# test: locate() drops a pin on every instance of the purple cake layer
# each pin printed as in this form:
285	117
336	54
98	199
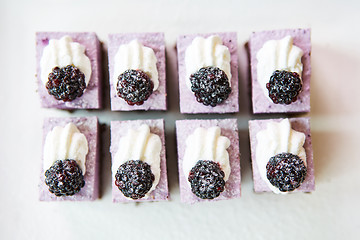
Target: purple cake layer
262	103
157	100
188	103
229	129
119	129
89	127
91	99
298	124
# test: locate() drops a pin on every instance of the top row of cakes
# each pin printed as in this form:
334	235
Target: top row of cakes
69	71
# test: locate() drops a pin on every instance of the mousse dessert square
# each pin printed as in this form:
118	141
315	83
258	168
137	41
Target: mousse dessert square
209	160
212	62
290	141
138	56
138	161
288	52
70	160
68	70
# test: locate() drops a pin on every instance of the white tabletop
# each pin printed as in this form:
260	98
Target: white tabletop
331	212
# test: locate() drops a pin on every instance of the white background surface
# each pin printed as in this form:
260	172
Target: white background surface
331	212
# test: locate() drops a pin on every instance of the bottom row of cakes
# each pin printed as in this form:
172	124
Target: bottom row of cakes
208	159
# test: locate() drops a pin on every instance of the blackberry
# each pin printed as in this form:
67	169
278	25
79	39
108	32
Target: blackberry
210	86
284	87
64	178
66	83
207	179
134	86
134	178
286	171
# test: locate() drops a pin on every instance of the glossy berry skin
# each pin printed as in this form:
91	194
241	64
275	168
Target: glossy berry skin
66	83
286	171
210	86
284	87
64	178
206	179
134	178
134	86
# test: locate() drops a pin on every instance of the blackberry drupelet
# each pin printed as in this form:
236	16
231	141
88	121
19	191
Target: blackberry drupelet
286	171
134	178
134	86
284	87
64	178
66	83
207	179
210	86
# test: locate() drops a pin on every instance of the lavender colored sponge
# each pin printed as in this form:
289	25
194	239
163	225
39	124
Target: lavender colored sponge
261	102
188	103
157	100
229	129
119	129
298	124
91	99
89	127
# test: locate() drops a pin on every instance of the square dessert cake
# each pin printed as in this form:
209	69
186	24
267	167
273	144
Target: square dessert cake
88	127
300	39
60	49
301	125
120	130
133	58
188	101
229	130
